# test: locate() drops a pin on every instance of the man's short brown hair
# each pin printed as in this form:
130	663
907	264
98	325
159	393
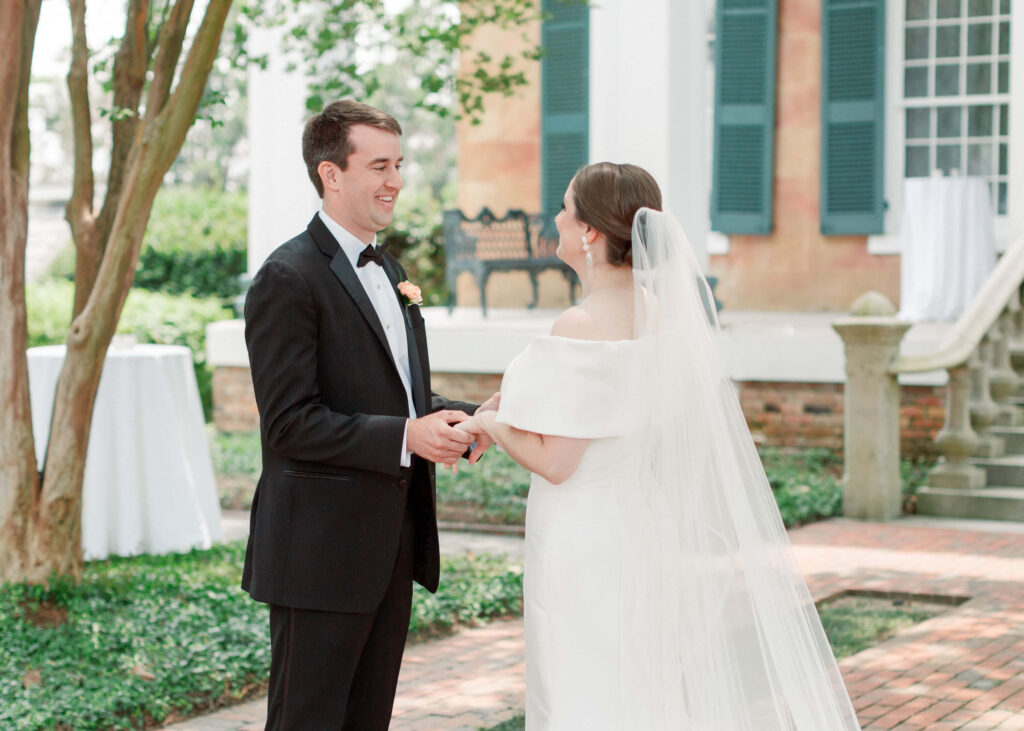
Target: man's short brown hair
326	134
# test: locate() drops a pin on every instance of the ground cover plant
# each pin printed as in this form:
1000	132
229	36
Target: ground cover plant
807	484
149	639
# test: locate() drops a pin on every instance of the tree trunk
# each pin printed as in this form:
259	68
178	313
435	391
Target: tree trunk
19	479
56	540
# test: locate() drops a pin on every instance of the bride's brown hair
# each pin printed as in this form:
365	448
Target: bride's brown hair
607	196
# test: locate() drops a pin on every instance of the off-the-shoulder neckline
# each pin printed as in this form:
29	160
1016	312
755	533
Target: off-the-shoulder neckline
582	340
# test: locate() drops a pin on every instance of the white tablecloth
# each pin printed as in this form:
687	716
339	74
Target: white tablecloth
149	484
948	246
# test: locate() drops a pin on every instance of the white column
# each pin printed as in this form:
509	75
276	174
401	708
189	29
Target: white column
648	100
281	197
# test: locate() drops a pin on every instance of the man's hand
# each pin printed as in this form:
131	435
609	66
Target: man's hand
432	437
490	404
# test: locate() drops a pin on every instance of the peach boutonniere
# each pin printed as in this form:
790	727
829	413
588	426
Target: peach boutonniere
410	293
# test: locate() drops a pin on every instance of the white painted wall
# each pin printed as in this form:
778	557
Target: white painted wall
281	197
648	100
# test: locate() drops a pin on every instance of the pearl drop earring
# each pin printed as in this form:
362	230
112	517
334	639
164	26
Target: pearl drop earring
586	248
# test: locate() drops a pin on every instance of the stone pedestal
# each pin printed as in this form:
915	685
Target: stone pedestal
871	430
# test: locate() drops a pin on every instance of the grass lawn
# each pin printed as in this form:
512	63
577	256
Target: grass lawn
152	639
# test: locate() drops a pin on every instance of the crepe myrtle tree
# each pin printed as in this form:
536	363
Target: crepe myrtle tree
153	92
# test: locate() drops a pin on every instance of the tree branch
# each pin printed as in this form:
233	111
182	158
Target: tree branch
130	65
79	212
172	36
178	114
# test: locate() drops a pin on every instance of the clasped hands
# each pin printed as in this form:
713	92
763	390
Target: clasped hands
444	436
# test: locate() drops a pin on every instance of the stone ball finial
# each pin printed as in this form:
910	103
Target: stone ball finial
873	304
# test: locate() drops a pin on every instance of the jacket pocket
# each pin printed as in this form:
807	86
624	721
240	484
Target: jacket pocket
316	475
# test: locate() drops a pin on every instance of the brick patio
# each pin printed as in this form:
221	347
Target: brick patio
963	669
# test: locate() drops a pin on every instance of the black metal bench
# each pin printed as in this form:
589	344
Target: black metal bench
486	244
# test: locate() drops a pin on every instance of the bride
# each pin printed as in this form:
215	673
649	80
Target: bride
661	591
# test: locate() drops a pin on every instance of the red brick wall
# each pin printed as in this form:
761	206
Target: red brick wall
234	403
803	415
780	414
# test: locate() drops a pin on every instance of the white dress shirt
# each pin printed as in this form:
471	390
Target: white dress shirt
389	311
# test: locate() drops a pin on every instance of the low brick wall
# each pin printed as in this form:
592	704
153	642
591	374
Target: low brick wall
780	414
803	415
234	403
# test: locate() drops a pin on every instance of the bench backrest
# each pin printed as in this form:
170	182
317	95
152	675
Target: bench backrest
487	236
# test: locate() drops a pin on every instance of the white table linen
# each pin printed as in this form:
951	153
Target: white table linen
149	485
948	246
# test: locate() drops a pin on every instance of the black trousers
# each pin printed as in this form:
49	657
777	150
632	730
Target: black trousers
335	670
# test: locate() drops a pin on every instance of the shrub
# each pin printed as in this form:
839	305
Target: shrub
195	242
417	240
152	317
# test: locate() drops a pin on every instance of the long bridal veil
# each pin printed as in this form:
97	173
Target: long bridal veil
719	630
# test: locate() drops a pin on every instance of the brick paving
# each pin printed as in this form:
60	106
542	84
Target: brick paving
963	669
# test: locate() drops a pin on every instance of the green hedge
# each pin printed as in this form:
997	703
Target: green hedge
195	242
152	317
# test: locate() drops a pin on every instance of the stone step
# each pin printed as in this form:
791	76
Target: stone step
1013	436
1005	471
989	503
1017	358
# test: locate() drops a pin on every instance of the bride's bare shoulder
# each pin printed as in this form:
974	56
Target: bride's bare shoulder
577	323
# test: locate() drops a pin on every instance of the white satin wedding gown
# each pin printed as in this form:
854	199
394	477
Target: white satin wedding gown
661	591
565	387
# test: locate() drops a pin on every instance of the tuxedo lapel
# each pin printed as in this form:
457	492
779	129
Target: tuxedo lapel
419	390
342	269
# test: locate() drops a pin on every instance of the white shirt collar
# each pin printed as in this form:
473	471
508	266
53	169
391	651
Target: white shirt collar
352	246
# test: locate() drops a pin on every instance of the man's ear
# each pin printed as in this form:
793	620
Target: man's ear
329	174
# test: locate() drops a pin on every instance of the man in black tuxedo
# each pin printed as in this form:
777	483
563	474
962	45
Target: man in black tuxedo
343	520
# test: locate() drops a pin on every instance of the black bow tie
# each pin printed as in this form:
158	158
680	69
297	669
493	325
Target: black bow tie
371	253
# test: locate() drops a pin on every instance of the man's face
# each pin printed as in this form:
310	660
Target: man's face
364	194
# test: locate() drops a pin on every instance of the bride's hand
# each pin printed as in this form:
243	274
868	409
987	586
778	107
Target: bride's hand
475	425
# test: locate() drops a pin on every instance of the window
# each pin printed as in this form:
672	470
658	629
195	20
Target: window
956	91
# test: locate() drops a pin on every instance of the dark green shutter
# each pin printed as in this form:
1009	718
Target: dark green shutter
565	97
852	117
744	165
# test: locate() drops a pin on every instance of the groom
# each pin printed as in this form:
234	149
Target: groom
343	519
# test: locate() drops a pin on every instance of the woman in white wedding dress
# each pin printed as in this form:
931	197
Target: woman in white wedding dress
661	591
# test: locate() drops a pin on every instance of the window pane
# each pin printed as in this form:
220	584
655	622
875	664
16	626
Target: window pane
917	162
979	78
1004	37
1004	7
1001	205
979	39
947	41
1003	150
918	123
947	80
979	159
979	7
949	8
947	159
917	9
916	43
1003	85
915	82
979	121
1004	119
948	121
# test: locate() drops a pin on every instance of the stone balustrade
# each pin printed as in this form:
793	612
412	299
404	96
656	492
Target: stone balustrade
983	356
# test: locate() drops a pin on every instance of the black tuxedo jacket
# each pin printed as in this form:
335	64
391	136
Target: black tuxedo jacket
328	508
